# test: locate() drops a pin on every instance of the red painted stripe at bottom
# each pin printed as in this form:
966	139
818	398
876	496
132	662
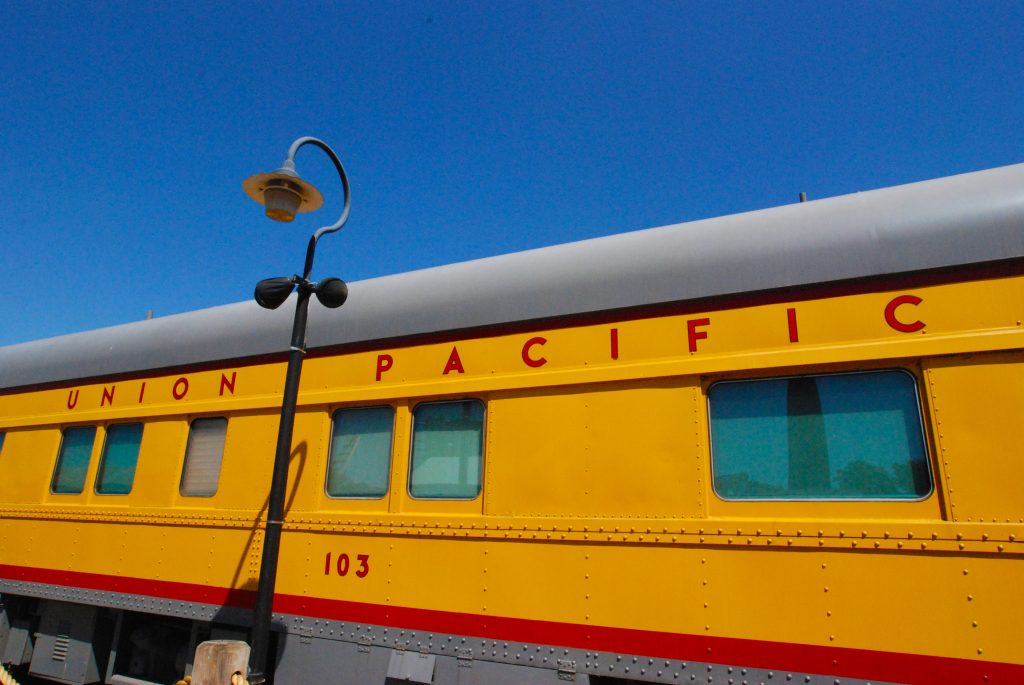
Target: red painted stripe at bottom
163	589
778	656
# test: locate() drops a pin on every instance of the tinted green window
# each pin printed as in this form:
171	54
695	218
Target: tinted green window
360	452
73	460
204	454
447	449
840	436
120	455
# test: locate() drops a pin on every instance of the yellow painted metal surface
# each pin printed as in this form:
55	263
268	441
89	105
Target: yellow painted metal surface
596	508
971	317
979	422
607	451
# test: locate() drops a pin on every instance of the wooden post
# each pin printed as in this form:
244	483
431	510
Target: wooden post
217	661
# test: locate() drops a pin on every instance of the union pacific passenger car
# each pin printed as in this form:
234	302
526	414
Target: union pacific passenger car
783	446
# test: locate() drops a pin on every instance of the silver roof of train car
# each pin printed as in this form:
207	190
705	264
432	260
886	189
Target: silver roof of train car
965	219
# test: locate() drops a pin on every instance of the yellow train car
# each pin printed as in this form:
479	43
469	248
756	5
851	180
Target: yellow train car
781	446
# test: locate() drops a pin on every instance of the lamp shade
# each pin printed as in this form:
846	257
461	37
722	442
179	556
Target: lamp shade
283	193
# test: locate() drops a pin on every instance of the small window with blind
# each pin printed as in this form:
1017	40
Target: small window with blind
73	460
201	474
120	457
360	459
447	450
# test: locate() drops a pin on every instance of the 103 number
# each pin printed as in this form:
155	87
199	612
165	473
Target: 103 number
343	563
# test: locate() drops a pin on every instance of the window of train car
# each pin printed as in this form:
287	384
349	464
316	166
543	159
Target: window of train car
447	450
2	442
200	476
829	437
119	458
360	460
73	460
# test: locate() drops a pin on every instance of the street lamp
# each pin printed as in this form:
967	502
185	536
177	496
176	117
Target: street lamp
284	194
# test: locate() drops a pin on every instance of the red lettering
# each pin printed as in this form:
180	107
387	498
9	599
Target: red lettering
180	388
615	342
72	398
454	363
791	317
364	565
527	359
226	384
693	335
142	391
108	395
896	324
384	363
344	564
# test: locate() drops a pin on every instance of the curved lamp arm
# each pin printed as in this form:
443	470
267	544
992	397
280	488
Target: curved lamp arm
290	163
309	140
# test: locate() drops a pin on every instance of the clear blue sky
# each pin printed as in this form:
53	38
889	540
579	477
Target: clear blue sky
468	129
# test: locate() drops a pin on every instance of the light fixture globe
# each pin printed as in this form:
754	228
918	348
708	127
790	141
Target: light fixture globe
271	293
283	193
282	200
331	292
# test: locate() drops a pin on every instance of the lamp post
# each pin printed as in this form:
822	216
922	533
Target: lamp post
284	194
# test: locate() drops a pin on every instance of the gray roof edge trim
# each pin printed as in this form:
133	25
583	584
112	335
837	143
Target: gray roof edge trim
967	219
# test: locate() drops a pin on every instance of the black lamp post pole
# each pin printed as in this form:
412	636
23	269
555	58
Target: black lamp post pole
263	608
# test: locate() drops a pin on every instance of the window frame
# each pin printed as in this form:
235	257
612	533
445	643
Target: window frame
412	453
185	456
391	453
921	423
103	458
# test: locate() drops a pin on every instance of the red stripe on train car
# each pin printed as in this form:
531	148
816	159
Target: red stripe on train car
778	656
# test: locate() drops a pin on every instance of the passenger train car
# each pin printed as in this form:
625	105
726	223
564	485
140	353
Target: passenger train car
783	446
